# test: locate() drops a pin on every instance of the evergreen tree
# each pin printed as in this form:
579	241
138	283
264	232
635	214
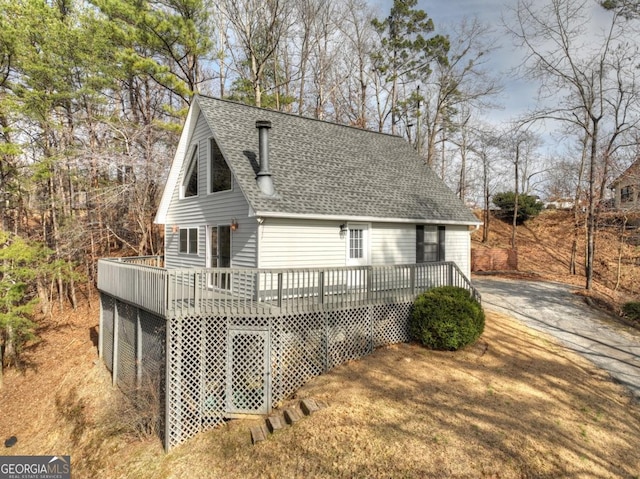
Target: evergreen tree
407	48
528	206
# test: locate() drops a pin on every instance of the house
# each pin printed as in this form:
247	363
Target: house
626	188
254	188
292	246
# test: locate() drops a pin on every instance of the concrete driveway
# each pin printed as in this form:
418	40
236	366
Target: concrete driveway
554	309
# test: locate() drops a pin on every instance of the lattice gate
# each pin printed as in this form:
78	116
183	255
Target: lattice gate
248	370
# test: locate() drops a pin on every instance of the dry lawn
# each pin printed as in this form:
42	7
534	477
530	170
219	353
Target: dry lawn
514	405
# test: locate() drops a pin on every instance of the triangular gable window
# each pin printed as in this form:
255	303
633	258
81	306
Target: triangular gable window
190	183
220	172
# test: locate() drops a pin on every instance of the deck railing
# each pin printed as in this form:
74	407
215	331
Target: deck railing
190	291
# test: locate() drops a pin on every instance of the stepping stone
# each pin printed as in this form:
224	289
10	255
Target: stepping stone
258	434
309	406
274	423
292	415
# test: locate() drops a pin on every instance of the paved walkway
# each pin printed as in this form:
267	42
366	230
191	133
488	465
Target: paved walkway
554	309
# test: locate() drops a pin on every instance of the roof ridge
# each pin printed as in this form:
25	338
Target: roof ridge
293	115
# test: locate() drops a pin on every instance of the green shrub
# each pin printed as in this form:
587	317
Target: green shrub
631	310
446	318
528	206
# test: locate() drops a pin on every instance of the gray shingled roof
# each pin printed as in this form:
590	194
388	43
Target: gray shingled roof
322	168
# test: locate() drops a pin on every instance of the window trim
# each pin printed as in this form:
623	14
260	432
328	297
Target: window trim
440	243
189	243
210	169
194	160
626	194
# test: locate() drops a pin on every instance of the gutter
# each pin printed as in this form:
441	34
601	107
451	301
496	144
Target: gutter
368	219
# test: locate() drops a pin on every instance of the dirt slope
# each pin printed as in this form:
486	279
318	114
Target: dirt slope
544	251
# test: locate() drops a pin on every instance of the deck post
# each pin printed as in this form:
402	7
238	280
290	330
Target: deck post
279	290
116	327
412	279
167	384
138	349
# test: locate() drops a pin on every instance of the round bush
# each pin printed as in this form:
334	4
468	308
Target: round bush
446	318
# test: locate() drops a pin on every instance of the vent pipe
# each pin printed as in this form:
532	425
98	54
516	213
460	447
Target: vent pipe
265	182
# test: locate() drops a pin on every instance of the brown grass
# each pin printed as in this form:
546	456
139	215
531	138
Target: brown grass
514	405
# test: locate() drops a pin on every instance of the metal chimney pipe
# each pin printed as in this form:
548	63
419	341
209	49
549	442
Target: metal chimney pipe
265	182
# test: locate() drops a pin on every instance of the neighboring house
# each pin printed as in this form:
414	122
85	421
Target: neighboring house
307	193
559	203
626	188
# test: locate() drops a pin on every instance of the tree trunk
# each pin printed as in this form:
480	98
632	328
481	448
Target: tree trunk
9	353
576	207
591	217
514	224
620	251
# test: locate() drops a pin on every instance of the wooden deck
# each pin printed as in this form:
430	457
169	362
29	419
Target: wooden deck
223	291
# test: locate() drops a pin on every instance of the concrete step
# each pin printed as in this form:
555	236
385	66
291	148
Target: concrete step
288	417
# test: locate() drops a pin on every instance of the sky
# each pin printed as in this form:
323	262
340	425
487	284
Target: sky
519	95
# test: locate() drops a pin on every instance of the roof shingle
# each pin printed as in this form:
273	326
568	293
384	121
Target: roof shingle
326	169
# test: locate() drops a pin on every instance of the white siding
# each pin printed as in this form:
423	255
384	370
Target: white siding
209	209
288	243
393	243
458	247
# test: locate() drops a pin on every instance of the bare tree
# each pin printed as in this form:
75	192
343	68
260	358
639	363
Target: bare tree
592	84
259	26
462	82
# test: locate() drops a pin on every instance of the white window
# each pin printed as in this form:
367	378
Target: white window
189	240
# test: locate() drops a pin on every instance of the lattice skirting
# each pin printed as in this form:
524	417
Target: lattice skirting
132	345
222	366
219	367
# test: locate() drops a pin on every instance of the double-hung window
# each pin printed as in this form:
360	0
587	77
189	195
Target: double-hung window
189	240
430	241
626	194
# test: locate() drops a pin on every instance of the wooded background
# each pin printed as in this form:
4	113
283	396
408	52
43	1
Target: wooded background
93	95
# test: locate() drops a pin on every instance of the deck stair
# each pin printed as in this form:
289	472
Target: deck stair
288	417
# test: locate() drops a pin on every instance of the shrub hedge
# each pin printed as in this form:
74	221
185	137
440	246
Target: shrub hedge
446	318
